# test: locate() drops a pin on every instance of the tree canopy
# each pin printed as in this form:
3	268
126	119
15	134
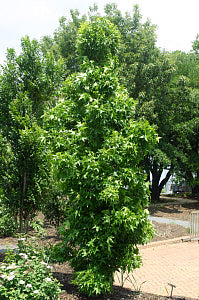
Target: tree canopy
150	76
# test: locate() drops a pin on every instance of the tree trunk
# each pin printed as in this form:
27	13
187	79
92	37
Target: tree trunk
21	220
15	216
155	194
157	185
195	189
22	198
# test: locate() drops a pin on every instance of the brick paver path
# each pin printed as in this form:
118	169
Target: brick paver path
169	263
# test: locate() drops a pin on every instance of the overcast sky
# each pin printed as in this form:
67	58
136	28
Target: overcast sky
177	20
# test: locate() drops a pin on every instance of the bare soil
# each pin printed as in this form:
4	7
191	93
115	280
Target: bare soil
175	212
164	232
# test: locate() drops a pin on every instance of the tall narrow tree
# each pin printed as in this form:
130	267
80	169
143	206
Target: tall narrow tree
26	85
99	149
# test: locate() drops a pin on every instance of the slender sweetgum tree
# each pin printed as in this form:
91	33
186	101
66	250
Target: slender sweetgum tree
98	149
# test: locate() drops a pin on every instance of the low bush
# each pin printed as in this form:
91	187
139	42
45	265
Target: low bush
27	274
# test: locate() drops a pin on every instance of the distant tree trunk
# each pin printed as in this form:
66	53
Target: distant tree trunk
15	216
195	189
190	179
156	184
155	194
21	220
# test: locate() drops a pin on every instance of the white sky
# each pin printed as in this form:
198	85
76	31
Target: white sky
177	20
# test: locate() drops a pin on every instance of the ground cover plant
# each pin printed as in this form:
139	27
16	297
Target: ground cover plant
26	274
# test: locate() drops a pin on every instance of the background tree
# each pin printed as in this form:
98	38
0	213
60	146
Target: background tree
185	89
153	105
26	85
63	42
195	45
169	101
99	147
137	47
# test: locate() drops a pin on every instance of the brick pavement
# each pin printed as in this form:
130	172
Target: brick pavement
177	263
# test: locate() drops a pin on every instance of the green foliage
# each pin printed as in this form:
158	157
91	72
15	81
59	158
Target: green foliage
24	275
169	100
7	225
103	41
38	226
98	149
195	45
185	118
137	47
154	105
27	83
63	43
31	73
92	281
55	209
25	175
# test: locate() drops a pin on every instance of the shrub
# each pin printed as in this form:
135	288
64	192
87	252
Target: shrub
25	275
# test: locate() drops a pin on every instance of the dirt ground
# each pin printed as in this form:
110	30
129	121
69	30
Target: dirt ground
175	212
163	232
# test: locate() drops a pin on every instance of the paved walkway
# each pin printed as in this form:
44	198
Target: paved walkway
169	221
169	262
4	248
176	263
